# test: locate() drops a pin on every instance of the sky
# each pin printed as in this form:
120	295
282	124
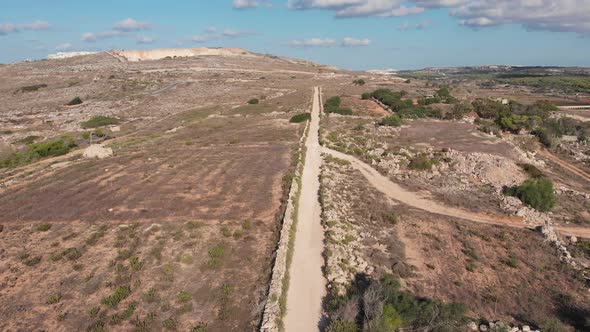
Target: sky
351	34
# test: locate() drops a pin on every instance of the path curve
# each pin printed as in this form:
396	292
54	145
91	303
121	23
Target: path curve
307	284
396	192
564	164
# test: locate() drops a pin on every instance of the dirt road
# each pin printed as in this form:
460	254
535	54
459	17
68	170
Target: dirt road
564	164
307	283
396	192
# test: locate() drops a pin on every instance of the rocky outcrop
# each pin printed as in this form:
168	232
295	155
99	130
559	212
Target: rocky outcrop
98	151
159	54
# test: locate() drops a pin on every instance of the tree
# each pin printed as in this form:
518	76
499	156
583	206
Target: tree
359	82
443	92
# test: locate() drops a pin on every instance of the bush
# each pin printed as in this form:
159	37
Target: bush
554	325
359	82
184	296
537	193
44	227
100	121
391	121
545	138
216	254
333	102
300	118
340	326
119	295
253	101
31	88
531	170
422	163
332	105
342	111
75	101
366	95
400	309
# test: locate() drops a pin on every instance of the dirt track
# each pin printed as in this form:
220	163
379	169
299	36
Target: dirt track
396	192
307	283
563	164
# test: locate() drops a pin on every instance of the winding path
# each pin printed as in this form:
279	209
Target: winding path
307	283
396	192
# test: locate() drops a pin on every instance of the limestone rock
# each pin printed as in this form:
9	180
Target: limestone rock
98	151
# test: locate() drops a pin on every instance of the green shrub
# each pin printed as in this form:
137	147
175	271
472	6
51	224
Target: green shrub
216	254
184	296
554	325
366	95
342	111
55	298
391	320
44	227
31	88
119	295
170	324
253	101
391	121
332	102
36	151
340	326
537	193
547	139
300	118
201	327
28	140
100	121
422	163
359	82
332	105
531	170
75	101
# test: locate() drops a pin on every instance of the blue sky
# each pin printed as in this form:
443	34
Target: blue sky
354	34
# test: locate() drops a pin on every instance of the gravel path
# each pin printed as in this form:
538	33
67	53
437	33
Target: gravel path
307	283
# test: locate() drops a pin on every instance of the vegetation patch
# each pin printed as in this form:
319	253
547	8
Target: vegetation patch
100	121
31	88
422	163
332	105
75	101
370	305
391	121
537	193
300	118
37	151
216	255
119	295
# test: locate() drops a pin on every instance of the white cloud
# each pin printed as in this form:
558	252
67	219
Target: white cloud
416	26
212	33
6	28
91	37
145	40
130	24
328	42
313	42
566	15
551	15
245	4
36	26
349	41
357	8
249	4
64	47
